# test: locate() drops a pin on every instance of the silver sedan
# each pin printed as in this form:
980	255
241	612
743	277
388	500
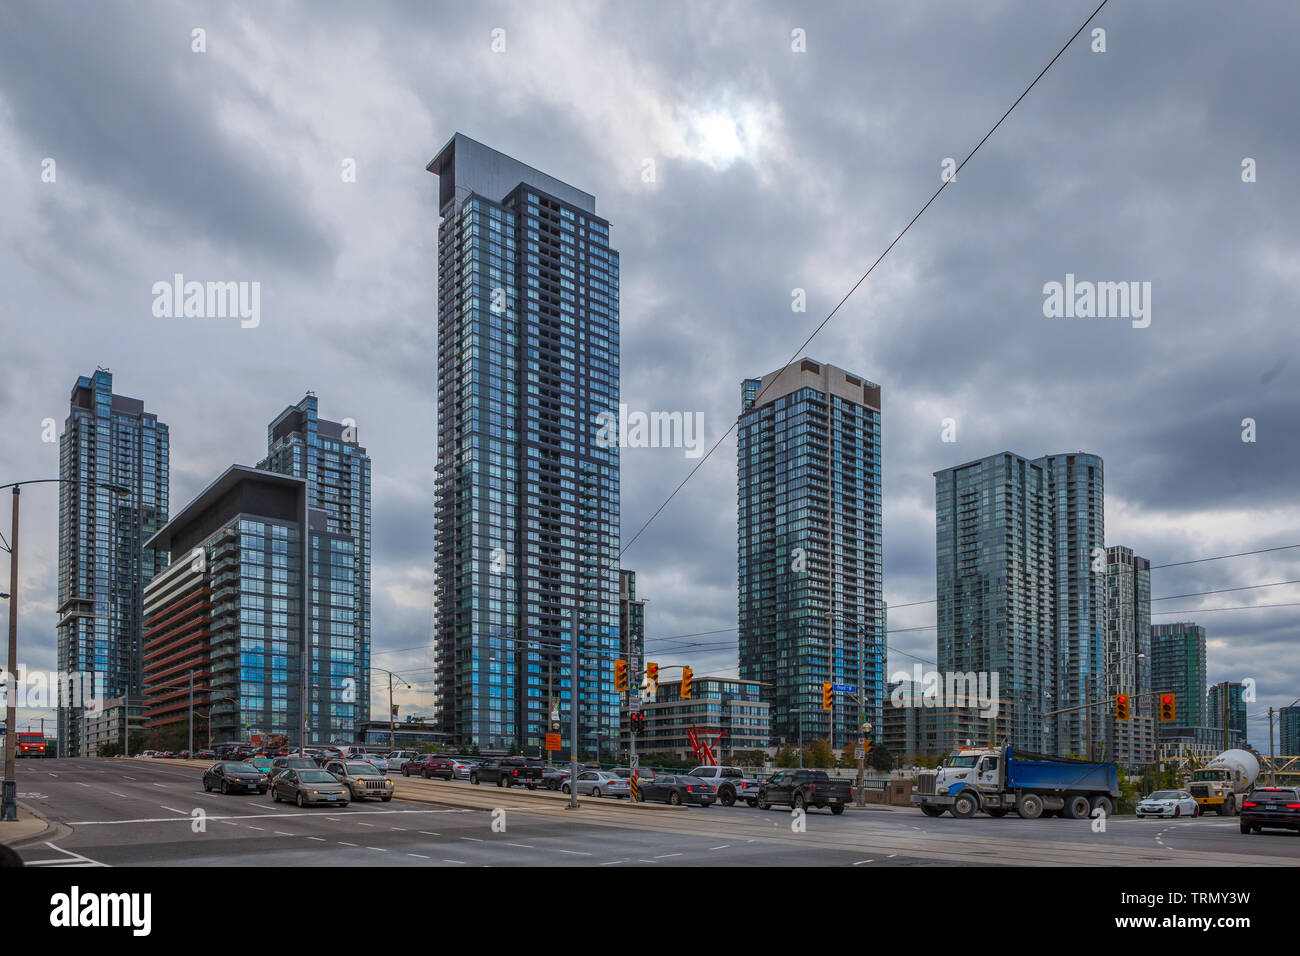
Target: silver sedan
600	783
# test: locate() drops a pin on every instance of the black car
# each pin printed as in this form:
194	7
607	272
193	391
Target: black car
280	764
508	772
231	776
1276	808
676	790
326	754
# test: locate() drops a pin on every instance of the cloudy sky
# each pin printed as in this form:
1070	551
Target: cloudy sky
774	169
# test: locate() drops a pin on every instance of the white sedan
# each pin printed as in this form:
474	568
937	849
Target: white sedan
1169	803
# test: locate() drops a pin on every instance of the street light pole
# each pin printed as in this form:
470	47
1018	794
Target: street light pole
9	795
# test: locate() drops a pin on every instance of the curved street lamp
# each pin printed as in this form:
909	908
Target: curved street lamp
9	791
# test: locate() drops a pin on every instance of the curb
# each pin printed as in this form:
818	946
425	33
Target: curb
16	843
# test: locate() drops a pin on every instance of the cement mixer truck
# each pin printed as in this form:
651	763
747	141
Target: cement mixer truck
1221	783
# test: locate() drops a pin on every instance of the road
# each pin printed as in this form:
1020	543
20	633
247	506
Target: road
155	813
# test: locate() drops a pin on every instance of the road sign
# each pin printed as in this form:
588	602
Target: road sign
634	701
555	709
553	742
859	754
845	688
636	761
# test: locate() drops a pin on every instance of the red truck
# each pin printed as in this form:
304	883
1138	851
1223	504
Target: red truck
30	745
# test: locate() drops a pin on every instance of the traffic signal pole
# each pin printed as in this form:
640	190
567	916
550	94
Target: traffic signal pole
573	711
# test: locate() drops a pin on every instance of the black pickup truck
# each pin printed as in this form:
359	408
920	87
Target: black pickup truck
800	789
508	772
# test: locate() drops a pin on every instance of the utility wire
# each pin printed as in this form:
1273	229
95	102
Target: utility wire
800	350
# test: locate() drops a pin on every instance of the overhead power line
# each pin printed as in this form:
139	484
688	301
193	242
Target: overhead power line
863	278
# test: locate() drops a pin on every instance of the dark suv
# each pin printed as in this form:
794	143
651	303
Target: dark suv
1275	807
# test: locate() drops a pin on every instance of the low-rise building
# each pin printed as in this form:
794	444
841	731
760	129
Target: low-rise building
118	717
716	704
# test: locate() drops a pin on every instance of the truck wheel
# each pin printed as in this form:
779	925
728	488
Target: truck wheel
1244	828
1104	804
932	811
1077	806
964	806
796	802
1031	806
761	802
837	809
473	778
727	797
1231	803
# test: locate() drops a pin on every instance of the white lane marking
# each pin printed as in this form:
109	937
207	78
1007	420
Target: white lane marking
860	862
320	839
174	810
80	784
428	833
522	846
282	833
418	856
453	861
341	843
723	847
116	794
128	778
68	859
613	862
574	852
472	839
252	816
664	856
360	824
251	827
377	849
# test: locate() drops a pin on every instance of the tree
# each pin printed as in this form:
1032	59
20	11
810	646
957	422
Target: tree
787	757
749	758
881	759
819	754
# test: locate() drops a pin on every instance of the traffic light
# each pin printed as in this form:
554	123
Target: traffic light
652	676
687	674
1168	711
828	696
1122	707
620	676
636	722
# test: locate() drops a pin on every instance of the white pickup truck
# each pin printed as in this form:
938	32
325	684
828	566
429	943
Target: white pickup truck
731	784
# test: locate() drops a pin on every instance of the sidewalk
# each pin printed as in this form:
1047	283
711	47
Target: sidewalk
28	827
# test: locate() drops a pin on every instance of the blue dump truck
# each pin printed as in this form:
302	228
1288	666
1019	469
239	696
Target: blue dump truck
999	780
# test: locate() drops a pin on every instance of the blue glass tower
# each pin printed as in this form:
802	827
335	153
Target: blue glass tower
527	499
103	564
1020	575
809	547
328	456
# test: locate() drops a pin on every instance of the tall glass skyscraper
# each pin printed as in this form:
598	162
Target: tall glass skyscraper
526	498
809	547
1225	707
1126	659
1020	568
336	468
103	564
1178	667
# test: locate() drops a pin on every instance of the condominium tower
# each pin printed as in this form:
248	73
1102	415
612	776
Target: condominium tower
809	548
526	495
1178	667
336	468
113	462
1020	567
